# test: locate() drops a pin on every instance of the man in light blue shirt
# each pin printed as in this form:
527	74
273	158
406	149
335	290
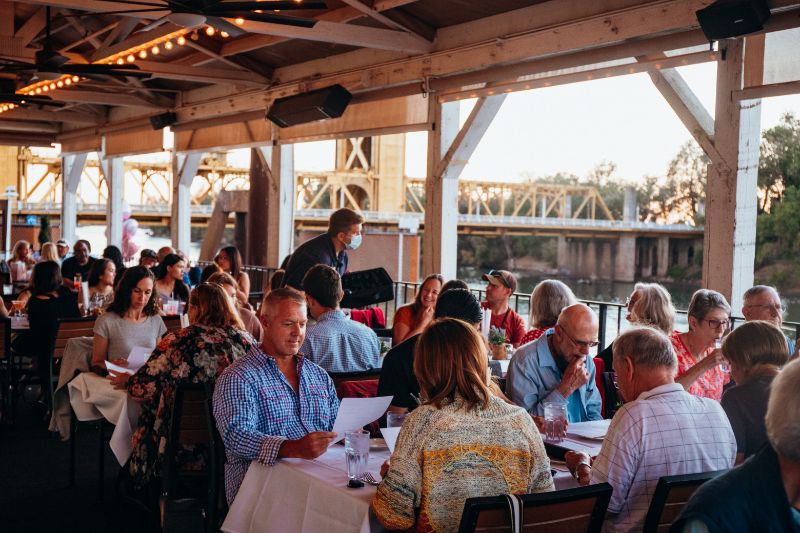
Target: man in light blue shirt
335	342
557	367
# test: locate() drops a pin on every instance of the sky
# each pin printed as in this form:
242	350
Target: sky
572	128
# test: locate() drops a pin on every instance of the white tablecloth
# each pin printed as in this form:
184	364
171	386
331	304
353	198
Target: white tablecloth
93	398
297	495
76	359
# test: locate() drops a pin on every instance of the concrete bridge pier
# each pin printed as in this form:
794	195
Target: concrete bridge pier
625	259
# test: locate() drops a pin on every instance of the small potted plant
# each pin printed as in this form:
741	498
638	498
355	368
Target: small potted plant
497	343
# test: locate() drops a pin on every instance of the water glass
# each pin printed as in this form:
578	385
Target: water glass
555	421
395	420
356	449
724	365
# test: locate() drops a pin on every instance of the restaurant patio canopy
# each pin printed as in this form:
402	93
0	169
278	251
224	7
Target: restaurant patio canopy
407	64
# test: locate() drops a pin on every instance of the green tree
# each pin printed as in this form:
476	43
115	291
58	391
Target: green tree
779	165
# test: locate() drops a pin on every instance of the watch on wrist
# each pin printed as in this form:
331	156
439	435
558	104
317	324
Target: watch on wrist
583	462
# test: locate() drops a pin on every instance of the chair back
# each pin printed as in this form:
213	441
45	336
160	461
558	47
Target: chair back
600	369
192	423
5	337
340	377
173	323
70	328
670	497
573	510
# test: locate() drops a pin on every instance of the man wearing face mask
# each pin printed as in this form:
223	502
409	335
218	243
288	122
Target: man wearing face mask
330	248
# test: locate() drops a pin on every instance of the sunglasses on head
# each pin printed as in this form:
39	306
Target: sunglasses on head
497	274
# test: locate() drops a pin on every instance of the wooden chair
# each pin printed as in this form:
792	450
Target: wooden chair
6	370
567	511
670	497
173	323
70	328
192	423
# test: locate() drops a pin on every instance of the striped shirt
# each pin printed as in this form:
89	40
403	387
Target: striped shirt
339	344
256	409
665	432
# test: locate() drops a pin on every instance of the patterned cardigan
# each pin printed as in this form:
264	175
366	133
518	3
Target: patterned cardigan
444	456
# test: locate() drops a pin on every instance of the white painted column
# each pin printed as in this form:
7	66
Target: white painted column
730	226
281	202
440	238
72	169
114	171
184	170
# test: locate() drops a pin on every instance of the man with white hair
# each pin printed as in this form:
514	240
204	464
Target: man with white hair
662	430
557	367
763	302
763	494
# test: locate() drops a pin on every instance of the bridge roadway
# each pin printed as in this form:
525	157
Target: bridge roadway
471	224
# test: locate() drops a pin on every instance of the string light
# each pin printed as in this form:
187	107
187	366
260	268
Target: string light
181	40
168	45
44	89
52	86
142	54
194	36
210	31
59	84
155	50
239	21
130	58
224	34
68	81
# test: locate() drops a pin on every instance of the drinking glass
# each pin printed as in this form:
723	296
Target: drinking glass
16	306
356	449
724	365
555	421
395	420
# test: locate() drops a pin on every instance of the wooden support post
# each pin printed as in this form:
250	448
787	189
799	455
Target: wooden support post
114	171
72	169
449	150
184	170
270	233
730	226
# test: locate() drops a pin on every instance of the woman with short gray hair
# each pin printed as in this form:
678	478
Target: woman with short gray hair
699	357
548	298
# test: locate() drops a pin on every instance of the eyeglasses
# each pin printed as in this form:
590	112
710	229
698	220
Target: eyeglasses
716	324
499	274
579	344
770	307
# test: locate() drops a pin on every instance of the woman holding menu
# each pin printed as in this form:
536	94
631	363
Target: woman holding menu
130	321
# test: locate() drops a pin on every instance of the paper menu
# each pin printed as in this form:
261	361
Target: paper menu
136	360
355	413
486	322
390	436
85	296
596	429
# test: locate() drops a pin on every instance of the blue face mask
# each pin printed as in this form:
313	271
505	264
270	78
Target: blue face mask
355	242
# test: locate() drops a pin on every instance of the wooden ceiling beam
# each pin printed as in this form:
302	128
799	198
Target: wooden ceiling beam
384	5
374	14
99	6
91	37
94	97
73	117
121	31
135	40
16	48
6	18
28	127
19	139
32	26
172	71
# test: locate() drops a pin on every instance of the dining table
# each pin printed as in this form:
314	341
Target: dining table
302	495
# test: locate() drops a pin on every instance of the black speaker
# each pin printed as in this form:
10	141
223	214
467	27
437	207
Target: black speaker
163	120
732	18
320	104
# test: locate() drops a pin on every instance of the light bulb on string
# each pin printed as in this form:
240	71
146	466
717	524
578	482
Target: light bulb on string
155	50
120	61
142	54
75	79
59	84
194	36
224	34
239	21
68	81
130	58
181	40
168	45
210	31
52	86
44	88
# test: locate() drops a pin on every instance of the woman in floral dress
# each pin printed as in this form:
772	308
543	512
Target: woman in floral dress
195	354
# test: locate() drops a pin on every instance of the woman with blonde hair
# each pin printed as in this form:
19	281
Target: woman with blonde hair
49	253
462	442
251	322
548	298
756	351
195	354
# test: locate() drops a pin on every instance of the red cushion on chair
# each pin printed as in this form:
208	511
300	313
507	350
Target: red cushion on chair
365	388
600	368
372	317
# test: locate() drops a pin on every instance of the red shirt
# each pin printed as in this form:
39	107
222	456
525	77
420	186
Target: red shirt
708	385
510	322
532	335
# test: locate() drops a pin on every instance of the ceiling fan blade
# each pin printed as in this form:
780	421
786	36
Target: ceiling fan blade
119	12
155	24
265	6
269	17
223	25
162	5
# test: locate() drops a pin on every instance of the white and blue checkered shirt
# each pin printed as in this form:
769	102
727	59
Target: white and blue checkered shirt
339	344
256	409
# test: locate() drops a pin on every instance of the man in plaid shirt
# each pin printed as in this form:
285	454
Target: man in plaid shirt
273	402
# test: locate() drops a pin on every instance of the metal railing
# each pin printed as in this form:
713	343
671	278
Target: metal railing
611	315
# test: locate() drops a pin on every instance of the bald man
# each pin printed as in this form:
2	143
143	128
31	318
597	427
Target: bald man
763	302
557	367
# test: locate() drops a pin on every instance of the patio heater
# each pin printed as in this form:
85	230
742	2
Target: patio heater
11	194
